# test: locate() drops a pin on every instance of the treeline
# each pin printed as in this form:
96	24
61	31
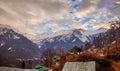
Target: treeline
105	39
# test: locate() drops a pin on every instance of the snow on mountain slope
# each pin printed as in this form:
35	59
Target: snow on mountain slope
67	39
67	33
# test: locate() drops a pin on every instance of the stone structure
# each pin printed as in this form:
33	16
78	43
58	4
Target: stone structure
79	66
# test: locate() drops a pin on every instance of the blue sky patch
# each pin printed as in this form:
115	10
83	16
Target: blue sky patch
49	31
71	12
86	19
66	26
76	6
76	19
73	0
90	28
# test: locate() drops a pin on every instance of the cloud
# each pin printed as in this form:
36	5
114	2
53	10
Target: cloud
34	11
37	16
56	27
80	26
26	13
104	25
86	7
105	3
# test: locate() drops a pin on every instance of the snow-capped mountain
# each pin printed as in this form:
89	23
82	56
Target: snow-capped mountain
67	39
15	46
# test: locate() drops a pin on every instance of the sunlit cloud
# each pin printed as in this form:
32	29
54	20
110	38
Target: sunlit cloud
49	16
104	25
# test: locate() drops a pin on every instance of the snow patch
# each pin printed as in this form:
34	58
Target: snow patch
2	43
16	37
73	40
50	40
84	39
2	31
39	46
9	48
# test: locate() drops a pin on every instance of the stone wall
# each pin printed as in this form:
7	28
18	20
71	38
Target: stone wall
79	66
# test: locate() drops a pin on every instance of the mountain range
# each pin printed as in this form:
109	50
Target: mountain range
67	39
15	46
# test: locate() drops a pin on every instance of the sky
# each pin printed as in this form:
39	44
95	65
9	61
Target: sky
35	17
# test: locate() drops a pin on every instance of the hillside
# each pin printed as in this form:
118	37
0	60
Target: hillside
15	47
67	39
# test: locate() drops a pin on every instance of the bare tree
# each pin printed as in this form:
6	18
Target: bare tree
46	57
